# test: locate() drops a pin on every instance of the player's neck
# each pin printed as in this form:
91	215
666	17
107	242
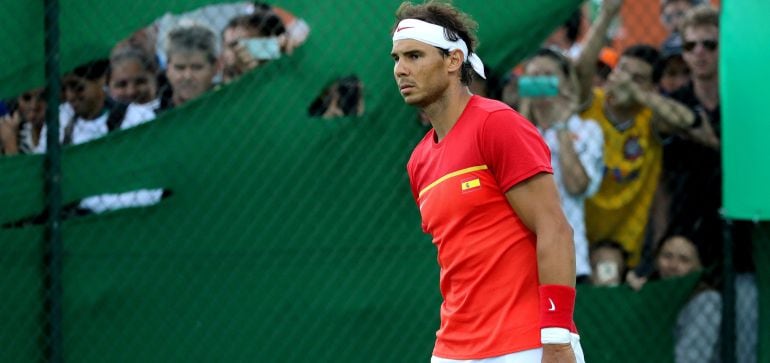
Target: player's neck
446	110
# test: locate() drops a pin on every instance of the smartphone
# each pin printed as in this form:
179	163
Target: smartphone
262	48
538	86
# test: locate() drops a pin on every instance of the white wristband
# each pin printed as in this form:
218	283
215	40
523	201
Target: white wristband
555	336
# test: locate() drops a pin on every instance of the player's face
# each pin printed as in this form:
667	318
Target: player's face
420	71
677	257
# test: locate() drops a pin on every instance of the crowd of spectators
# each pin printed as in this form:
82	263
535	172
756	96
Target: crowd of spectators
634	132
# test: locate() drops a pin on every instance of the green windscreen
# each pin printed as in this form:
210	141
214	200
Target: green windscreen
744	88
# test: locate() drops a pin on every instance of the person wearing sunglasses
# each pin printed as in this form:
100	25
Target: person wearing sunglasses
696	182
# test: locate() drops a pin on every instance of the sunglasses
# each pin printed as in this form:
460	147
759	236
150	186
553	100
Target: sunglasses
709	44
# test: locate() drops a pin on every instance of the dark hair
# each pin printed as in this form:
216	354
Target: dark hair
646	53
611	244
558	56
572	25
92	70
457	25
264	21
147	61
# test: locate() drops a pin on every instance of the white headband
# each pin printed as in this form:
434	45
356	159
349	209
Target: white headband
434	35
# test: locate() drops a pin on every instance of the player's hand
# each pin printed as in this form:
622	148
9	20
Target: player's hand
558	353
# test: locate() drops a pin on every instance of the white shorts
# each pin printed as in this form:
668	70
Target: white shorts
527	356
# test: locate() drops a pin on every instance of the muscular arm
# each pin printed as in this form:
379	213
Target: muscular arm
536	202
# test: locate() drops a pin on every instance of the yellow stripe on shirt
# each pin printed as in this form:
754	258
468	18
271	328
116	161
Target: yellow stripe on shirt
452	175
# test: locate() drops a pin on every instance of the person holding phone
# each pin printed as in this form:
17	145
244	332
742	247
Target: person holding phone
251	40
482	180
549	91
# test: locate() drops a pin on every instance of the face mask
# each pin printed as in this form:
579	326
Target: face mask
538	86
263	48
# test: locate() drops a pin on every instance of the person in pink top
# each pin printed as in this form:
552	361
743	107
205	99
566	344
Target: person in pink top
483	182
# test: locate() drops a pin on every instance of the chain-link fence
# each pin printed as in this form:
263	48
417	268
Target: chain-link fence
233	188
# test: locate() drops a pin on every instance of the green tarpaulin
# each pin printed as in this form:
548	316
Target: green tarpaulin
286	238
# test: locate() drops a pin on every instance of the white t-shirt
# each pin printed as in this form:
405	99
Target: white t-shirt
84	130
588	140
87	130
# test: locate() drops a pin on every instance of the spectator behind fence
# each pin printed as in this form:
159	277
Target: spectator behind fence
672	71
133	85
251	40
672	13
576	144
609	263
695	184
83	116
630	112
696	334
191	53
20	130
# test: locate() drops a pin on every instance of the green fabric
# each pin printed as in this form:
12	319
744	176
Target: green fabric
286	238
619	324
745	83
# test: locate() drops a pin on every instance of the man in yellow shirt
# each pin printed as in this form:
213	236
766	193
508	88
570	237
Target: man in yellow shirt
631	114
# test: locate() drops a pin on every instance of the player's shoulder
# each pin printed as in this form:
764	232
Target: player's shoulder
488	105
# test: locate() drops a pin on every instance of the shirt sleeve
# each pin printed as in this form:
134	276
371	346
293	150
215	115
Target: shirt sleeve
513	149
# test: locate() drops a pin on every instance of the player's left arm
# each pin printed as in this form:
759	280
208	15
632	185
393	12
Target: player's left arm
536	202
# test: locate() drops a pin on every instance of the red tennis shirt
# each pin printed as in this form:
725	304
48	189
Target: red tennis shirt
487	256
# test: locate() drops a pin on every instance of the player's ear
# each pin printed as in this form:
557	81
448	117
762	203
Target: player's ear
455	59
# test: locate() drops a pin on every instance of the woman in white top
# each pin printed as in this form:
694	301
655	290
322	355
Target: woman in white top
549	99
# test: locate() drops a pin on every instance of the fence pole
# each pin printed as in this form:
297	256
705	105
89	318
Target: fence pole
52	256
728	294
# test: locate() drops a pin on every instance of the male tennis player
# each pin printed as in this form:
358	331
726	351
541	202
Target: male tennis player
483	181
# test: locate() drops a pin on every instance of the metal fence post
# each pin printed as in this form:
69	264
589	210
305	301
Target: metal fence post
728	295
52	256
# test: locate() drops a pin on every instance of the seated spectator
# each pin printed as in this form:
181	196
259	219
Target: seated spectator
697	328
251	40
192	63
20	131
631	113
608	263
576	143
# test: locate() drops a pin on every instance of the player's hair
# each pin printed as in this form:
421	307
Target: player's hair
701	15
458	25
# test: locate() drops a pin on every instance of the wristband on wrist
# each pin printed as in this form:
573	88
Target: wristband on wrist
557	304
555	336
